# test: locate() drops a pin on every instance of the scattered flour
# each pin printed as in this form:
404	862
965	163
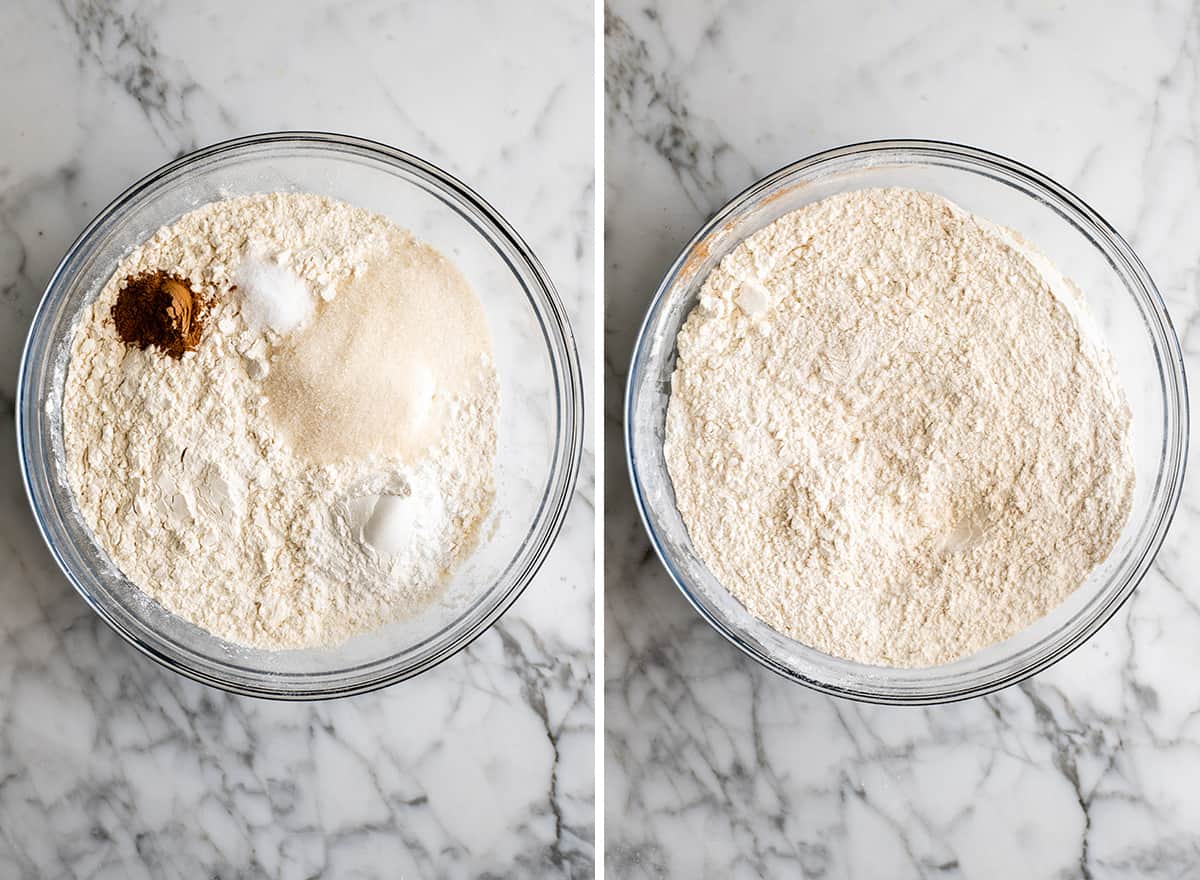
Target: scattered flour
887	436
191	484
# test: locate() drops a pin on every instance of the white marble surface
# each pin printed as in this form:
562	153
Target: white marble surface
113	767
719	769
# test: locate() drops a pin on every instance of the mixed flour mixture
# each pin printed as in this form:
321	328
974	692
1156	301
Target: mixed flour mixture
888	436
279	419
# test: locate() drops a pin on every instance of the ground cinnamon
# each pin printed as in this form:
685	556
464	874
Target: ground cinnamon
159	309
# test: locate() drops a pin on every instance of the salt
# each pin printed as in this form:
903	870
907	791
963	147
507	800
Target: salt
272	296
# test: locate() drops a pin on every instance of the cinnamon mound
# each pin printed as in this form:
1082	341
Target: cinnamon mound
159	309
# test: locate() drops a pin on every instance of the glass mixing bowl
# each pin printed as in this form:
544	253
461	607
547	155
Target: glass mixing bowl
541	420
1125	306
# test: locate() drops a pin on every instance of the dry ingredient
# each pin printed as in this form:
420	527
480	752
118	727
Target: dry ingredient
158	309
272	296
889	437
204	476
409	308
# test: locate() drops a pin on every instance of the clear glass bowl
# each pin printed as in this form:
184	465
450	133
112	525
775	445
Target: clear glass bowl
540	432
1126	308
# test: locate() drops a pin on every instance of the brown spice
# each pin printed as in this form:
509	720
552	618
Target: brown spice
159	309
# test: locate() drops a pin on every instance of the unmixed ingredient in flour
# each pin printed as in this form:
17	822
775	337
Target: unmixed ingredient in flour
889	436
279	419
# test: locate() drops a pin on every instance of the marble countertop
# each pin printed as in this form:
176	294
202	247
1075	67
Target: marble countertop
113	767
717	768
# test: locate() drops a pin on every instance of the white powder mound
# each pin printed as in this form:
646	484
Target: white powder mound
888	438
271	296
193	488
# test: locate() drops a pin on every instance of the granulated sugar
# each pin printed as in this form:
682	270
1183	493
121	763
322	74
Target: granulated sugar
888	438
365	378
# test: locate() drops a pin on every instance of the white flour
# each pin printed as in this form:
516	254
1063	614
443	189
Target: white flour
192	486
888	438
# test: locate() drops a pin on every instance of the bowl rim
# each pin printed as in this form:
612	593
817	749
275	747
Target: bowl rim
1172	370
569	411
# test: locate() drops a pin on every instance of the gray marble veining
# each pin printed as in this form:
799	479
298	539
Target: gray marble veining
113	767
716	768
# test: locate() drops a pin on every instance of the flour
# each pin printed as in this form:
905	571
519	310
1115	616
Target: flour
194	488
888	437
